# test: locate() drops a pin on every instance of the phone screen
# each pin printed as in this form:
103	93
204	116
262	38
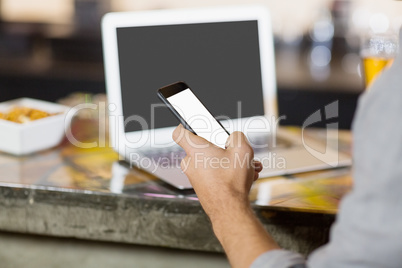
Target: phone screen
198	117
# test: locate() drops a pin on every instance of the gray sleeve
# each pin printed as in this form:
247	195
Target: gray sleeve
368	229
279	259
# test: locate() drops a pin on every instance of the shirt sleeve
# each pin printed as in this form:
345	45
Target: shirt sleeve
368	229
279	259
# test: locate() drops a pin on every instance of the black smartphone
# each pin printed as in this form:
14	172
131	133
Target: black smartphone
192	114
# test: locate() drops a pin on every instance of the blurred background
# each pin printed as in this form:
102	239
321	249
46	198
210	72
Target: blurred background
52	48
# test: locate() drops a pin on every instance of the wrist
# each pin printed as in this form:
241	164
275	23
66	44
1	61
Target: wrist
234	213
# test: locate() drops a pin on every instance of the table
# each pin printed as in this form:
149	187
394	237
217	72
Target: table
92	194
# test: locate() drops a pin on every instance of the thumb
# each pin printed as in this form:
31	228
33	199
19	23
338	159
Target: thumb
188	140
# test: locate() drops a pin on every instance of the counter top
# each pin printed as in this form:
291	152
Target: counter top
92	194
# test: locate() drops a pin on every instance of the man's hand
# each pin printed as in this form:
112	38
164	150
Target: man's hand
222	180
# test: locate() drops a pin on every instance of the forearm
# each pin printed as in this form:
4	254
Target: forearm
242	235
223	192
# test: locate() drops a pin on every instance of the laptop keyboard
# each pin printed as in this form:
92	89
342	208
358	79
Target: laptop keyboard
167	158
263	143
172	157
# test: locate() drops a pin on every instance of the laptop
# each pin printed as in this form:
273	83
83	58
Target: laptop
226	56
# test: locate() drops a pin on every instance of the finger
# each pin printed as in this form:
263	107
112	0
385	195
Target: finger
256	176
237	139
238	144
257	166
185	163
188	140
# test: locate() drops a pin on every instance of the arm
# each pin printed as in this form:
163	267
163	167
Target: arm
241	234
368	229
222	180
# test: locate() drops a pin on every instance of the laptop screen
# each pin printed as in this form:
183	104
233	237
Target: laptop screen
220	62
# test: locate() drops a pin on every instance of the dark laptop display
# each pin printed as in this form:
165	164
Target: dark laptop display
220	61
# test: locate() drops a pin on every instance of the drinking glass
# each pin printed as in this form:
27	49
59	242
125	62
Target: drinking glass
377	52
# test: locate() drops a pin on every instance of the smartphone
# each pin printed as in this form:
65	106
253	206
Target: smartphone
192	114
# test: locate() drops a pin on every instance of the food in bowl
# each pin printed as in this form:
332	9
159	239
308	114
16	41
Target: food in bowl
39	133
21	114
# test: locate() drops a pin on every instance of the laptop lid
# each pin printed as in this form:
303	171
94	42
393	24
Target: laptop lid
225	55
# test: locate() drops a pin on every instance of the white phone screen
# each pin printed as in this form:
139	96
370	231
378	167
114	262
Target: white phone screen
198	117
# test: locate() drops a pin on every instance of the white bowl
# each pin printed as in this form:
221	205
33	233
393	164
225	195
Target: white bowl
33	136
